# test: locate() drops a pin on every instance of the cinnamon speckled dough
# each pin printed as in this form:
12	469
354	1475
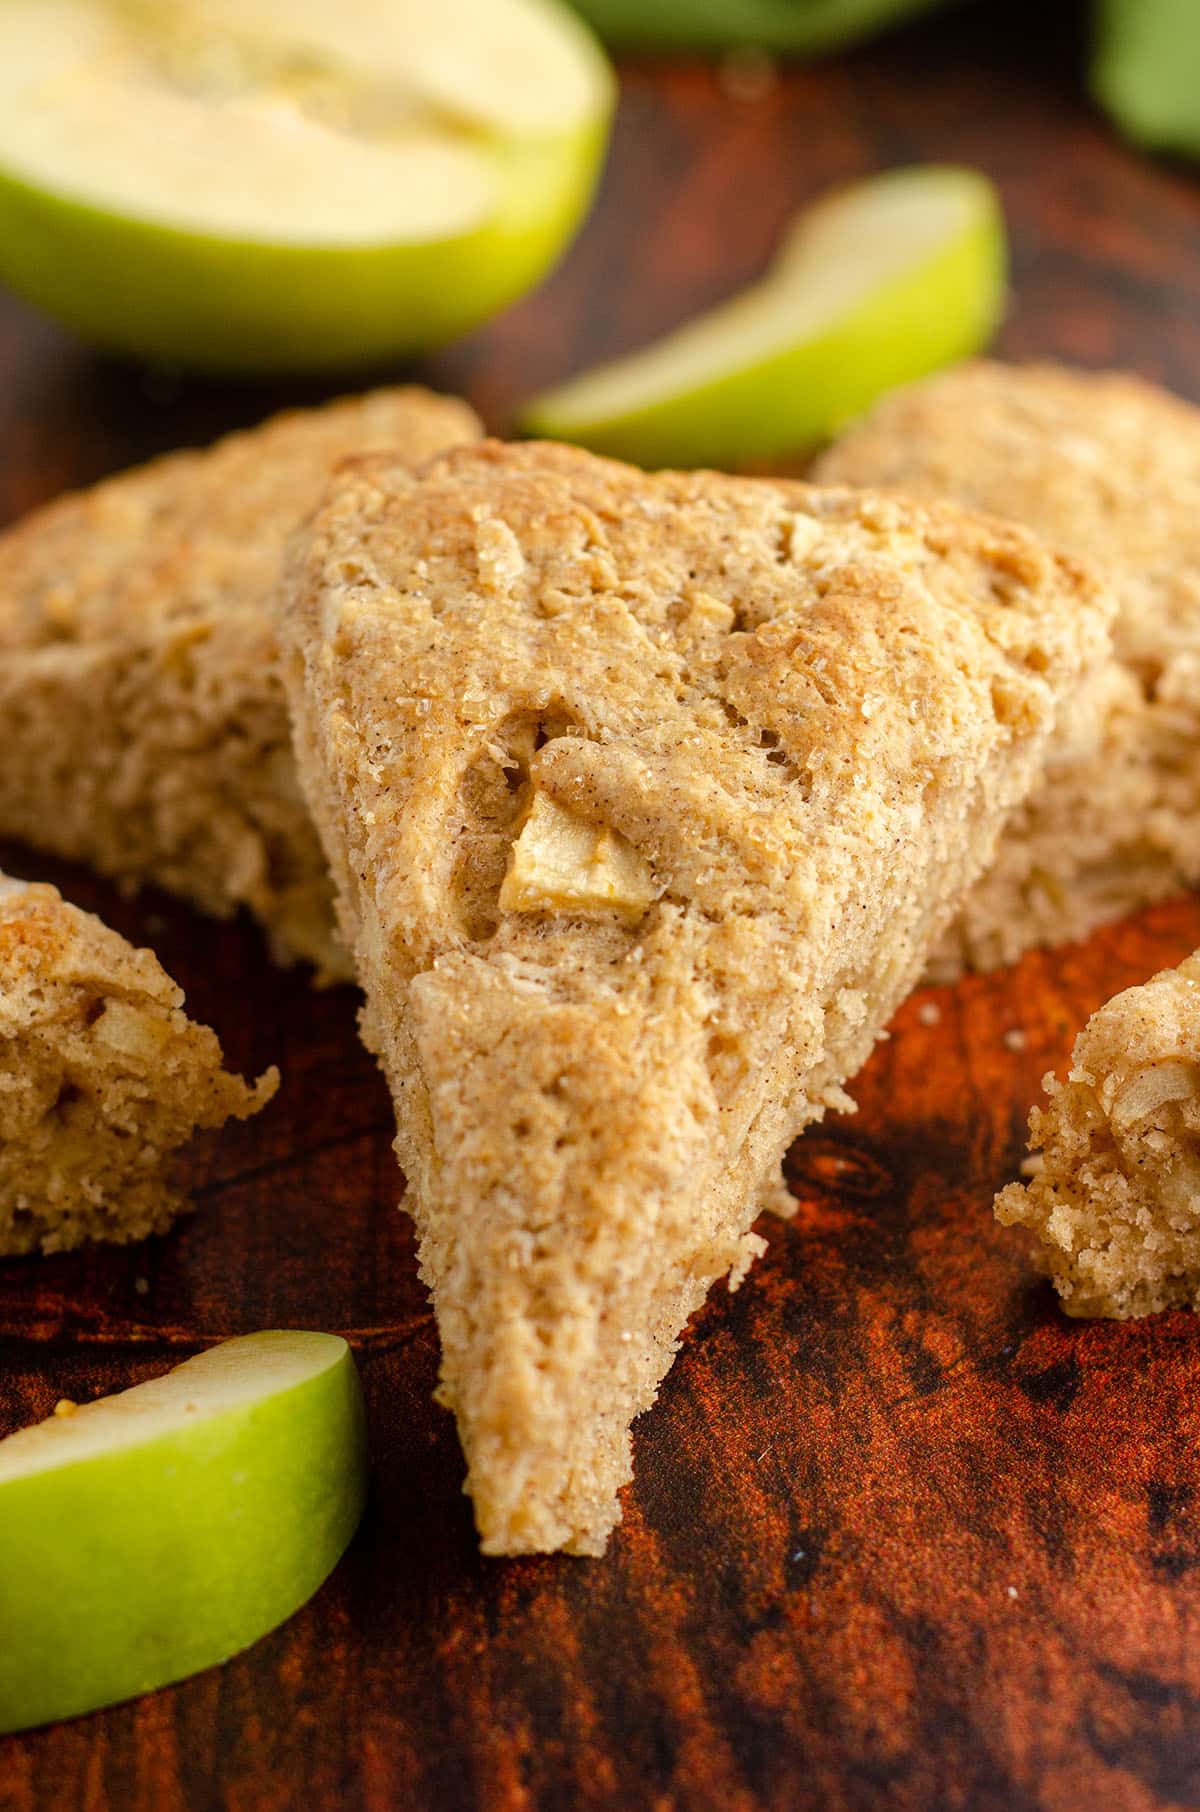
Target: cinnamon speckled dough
1114	1198
142	722
102	1077
1108	466
802	714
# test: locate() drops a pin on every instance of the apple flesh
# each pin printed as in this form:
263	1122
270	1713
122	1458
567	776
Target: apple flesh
876	285
151	1534
267	187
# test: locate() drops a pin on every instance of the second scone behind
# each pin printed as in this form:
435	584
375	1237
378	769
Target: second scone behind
141	716
1107	466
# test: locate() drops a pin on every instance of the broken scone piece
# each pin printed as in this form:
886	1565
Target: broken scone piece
1108	466
645	797
102	1076
1113	1199
142	721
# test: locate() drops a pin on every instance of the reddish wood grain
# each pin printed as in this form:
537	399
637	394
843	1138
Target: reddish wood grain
900	1534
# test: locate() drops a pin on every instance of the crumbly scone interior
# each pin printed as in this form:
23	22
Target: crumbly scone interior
141	716
1109	466
801	715
102	1077
1113	1201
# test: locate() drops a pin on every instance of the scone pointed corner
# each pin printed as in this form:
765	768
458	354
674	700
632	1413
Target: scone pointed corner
579	1136
646	799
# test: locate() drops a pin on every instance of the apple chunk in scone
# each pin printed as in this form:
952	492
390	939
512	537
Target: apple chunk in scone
561	863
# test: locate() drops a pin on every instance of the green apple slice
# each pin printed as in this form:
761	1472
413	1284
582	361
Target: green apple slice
1146	71
877	284
154	1533
262	185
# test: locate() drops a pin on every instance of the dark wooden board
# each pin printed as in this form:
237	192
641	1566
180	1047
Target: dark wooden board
900	1535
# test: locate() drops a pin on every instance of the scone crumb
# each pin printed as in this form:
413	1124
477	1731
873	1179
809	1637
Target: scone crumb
1112	1187
781	1203
102	1078
750	1247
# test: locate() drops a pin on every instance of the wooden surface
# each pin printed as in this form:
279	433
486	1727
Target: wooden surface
900	1534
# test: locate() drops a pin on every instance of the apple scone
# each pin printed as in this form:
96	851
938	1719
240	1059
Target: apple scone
645	798
1113	1197
142	720
102	1077
1108	466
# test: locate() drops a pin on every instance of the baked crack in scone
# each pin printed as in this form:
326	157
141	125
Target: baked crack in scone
102	1077
645	798
142	722
1113	1199
1108	466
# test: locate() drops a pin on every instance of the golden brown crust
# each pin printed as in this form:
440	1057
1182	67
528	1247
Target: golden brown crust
1109	466
804	713
102	1077
1113	1201
141	714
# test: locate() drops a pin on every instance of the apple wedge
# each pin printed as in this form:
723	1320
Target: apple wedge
256	186
875	285
151	1534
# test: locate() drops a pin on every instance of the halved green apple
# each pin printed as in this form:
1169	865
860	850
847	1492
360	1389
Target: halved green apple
875	285
789	27
147	1535
267	185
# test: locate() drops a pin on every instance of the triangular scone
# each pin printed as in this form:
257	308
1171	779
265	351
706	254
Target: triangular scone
142	724
645	798
1113	1201
102	1077
1109	466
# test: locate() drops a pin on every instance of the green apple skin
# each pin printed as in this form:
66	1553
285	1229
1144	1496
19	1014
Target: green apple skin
795	399
126	1571
1146	71
788	27
246	309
